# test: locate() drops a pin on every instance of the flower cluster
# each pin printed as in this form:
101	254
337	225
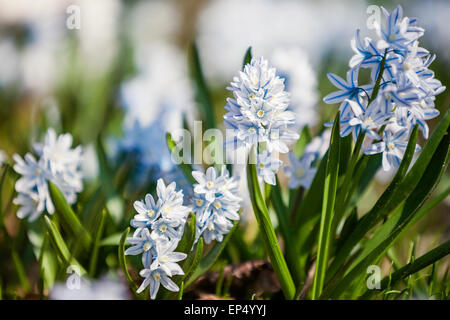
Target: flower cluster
57	162
301	171
259	116
216	203
159	227
154	102
405	88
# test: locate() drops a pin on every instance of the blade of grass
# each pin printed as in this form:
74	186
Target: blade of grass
329	197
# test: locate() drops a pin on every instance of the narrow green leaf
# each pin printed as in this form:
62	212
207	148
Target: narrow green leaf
96	245
282	213
193	261
70	220
186	168
188	238
123	261
267	232
344	190
105	170
59	245
20	269
418	264
379	210
247	57
349	225
202	93
329	196
399	222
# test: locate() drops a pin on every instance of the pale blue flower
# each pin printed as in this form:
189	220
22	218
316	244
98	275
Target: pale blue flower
214	228
300	172
154	278
399	31
260	104
165	218
365	120
267	165
143	242
148	211
348	90
171	202
208	184
165	259
406	93
58	163
167	228
393	147
213	212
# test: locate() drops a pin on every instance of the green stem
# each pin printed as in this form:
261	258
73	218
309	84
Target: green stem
267	232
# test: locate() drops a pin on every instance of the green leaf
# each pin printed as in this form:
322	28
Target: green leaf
202	93
21	272
341	202
185	167
380	209
60	246
247	57
70	221
397	224
210	257
105	170
193	260
188	238
329	197
266	230
96	245
418	264
306	217
123	261
282	213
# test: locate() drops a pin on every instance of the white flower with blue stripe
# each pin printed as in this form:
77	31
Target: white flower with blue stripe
406	90
259	111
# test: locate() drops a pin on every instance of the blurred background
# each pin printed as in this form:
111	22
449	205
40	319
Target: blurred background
121	70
